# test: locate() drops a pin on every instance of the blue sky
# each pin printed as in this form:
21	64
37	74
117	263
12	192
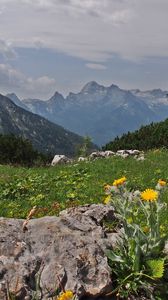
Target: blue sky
49	45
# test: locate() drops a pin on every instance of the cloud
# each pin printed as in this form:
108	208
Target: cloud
42	84
14	80
96	66
6	50
10	77
93	30
62	25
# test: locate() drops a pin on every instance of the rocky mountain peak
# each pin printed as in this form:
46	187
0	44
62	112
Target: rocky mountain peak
113	86
16	100
92	87
57	96
12	95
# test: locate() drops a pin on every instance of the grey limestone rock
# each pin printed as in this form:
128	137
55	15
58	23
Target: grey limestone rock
67	249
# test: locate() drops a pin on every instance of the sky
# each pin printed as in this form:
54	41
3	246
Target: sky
60	45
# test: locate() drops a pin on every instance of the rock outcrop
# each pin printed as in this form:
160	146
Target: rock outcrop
68	249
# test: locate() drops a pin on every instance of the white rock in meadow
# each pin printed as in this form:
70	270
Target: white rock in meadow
121	152
109	153
133	152
140	158
81	158
97	154
60	159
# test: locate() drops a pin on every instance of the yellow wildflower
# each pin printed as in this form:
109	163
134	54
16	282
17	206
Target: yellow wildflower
107	199
119	181
162	182
67	295
149	195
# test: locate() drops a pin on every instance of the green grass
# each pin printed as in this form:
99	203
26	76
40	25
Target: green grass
55	188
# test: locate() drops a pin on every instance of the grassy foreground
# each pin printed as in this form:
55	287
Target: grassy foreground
139	265
55	188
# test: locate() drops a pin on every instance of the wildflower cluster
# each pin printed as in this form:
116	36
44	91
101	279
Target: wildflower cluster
117	184
139	258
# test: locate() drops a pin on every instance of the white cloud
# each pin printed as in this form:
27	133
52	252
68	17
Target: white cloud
14	80
93	30
42	84
85	29
96	66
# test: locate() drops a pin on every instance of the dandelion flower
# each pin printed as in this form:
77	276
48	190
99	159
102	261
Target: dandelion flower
67	295
119	181
149	195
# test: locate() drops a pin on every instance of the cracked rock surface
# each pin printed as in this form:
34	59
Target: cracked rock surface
67	249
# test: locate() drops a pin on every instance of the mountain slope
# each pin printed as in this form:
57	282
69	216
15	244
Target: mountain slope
147	137
157	101
16	100
101	112
45	136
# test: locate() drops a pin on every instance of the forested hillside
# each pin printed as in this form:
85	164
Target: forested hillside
147	137
16	150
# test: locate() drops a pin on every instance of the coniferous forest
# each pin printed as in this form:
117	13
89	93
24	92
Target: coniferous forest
16	150
147	137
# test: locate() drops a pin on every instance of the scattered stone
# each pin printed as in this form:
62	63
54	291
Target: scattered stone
97	154
122	153
135	153
81	158
60	159
109	153
140	158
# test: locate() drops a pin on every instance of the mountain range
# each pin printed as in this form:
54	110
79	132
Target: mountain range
101	112
45	136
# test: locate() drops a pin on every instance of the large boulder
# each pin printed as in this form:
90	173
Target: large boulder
67	249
